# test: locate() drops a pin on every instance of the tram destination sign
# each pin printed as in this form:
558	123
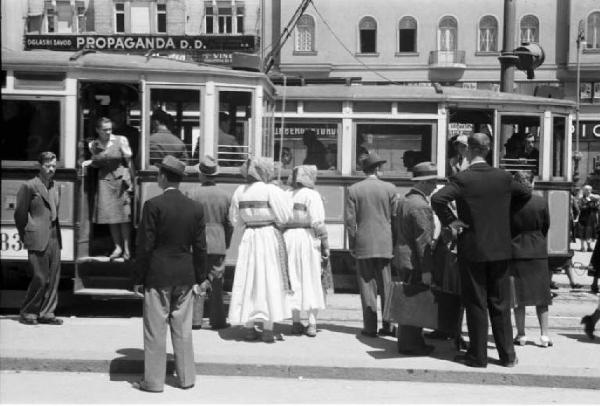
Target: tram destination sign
132	43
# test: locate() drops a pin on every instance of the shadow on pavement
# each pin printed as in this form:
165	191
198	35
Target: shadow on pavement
581	338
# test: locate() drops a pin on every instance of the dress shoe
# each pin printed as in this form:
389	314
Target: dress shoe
141	386
268	336
220	326
385	332
545	341
297	328
553	285
115	254
467	361
588	326
188	387
252	335
368	333
53	321
460	344
510	364
594	288
436	335
418	351
126	256
29	322
311	330
520	340
576	286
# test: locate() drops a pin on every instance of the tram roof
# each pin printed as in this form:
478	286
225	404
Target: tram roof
395	93
65	61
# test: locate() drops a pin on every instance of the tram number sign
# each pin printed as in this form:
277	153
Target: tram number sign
11	246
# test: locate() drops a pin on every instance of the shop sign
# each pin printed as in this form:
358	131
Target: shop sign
297	130
459	128
589	130
141	42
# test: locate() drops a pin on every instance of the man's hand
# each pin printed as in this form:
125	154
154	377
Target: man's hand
458	226
202	289
138	290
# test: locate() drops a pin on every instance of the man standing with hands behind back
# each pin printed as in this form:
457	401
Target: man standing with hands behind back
171	256
483	197
369	225
36	217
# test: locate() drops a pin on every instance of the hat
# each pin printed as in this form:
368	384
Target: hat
305	175
209	166
371	160
462	139
424	171
172	164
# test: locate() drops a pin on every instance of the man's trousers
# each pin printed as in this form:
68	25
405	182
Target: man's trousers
216	268
373	274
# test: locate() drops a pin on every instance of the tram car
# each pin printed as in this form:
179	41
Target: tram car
51	101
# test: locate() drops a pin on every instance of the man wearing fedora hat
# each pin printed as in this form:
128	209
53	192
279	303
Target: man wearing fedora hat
215	202
413	229
171	255
368	221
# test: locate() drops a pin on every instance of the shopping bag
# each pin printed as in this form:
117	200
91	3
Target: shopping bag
421	305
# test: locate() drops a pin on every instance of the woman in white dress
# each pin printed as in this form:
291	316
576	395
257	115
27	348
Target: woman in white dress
261	282
306	242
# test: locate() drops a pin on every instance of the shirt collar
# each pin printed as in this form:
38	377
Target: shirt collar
169	188
477	160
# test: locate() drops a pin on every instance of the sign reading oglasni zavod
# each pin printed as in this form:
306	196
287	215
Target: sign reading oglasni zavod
141	42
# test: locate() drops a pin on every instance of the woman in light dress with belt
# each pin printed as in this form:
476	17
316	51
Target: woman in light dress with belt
307	247
261	283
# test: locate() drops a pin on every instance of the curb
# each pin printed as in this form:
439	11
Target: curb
136	366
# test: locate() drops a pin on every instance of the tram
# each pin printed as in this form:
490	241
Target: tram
51	101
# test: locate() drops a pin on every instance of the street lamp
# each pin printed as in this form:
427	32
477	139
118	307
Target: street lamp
578	155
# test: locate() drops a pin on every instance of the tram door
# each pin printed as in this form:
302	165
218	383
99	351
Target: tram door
99	271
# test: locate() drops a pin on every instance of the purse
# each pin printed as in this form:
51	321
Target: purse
421	305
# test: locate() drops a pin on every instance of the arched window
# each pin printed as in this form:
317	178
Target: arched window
488	34
448	34
530	29
368	35
593	30
305	34
407	35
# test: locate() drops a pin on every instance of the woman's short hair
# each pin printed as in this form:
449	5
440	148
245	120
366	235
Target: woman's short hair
46	156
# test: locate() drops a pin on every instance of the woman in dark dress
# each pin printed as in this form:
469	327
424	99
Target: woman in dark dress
111	154
529	228
588	216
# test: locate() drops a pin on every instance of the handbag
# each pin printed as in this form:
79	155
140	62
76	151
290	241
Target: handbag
421	305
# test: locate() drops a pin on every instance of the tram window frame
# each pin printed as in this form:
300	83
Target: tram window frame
32	162
238	154
193	158
433	155
559	143
519	122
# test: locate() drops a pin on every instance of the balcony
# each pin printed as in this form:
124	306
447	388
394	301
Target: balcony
446	66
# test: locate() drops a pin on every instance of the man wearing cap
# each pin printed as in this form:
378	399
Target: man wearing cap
413	229
219	229
483	196
162	141
368	221
171	256
458	162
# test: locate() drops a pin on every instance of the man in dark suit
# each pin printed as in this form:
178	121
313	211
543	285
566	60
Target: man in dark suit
171	255
369	225
215	202
36	217
483	197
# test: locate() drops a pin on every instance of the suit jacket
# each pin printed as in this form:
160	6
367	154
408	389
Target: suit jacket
219	229
413	236
36	206
368	218
483	196
163	143
171	243
530	222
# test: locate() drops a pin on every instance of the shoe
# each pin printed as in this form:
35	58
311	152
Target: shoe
219	326
29	322
576	286
545	341
436	335
594	288
460	344
464	359
520	340
126	256
116	254
368	333
268	336
140	386
54	321
311	330
252	335
510	364
385	331
553	285
418	351
188	387
297	328
588	326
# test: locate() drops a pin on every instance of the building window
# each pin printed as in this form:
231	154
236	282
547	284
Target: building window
590	92
140	18
407	35
368	35
488	34
81	17
223	19
448	34
161	17
305	34
119	17
593	31
530	27
239	19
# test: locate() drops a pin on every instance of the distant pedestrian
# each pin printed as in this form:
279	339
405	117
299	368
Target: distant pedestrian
413	246
368	221
36	218
589	322
530	222
171	255
261	280
307	247
215	202
162	141
589	204
483	197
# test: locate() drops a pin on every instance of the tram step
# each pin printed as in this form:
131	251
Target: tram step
117	293
106	269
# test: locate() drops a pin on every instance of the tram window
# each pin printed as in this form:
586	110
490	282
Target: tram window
308	144
234	127
401	145
29	127
519	141
175	125
3	79
322	106
559	148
